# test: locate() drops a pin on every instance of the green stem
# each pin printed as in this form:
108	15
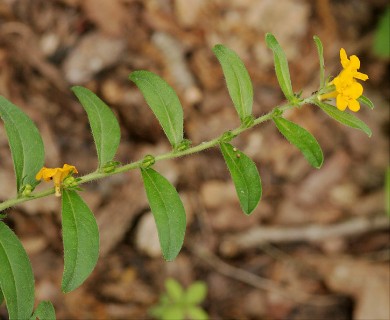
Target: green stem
138	164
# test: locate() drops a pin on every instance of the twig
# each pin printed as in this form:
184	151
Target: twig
259	236
258	282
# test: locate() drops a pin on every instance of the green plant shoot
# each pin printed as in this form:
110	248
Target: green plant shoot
79	227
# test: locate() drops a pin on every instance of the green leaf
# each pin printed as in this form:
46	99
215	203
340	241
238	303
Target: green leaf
173	313
320	50
168	212
163	101
16	276
196	313
164	299
156	311
366	101
237	79
196	293
1	297
104	125
80	235
245	177
343	117
382	35
302	139
25	142
174	289
44	311
281	66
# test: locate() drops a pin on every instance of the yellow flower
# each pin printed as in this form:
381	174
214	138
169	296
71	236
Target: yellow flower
347	89
57	175
351	65
347	97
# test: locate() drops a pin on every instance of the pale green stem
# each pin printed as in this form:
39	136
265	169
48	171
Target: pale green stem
169	155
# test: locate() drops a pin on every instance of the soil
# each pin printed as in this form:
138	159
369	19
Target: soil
264	266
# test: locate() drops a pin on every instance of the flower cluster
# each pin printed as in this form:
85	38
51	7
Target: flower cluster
347	89
57	175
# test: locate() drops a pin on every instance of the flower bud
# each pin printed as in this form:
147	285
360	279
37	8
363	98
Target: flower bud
148	161
248	121
227	137
183	145
26	190
110	166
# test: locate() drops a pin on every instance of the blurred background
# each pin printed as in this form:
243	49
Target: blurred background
317	246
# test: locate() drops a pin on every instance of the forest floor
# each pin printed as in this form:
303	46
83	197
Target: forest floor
316	247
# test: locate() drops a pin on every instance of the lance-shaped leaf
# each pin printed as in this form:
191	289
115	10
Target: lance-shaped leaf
44	311
168	212
302	139
366	101
320	50
104	125
245	177
237	79
16	276
344	117
25	142
163	101
281	66
80	236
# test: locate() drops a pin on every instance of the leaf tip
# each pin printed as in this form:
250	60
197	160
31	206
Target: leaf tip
248	211
319	166
170	254
269	37
65	289
169	259
78	89
217	47
134	76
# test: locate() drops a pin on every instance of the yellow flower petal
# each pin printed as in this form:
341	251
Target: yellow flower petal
57	175
360	76
328	95
343	80
354	91
68	168
348	90
343	58
46	173
341	102
354	63
354	105
39	175
57	178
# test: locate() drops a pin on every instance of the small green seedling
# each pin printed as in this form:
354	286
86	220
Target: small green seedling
178	303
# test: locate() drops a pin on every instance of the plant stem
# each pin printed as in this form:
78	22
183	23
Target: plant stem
169	155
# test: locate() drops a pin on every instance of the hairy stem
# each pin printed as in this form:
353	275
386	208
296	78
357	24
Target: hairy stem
169	155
